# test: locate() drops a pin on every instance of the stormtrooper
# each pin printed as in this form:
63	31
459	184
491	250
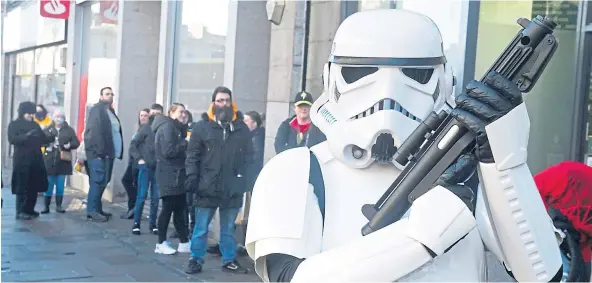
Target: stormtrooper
386	72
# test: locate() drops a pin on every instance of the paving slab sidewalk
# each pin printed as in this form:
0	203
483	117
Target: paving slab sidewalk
67	247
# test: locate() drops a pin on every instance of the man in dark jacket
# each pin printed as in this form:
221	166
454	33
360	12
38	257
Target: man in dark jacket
298	130
103	142
218	154
29	176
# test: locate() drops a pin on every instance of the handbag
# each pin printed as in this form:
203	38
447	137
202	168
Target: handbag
65	155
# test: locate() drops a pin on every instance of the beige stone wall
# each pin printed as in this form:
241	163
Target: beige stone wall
284	55
324	21
280	75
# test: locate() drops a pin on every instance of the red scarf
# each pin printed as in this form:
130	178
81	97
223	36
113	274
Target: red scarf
300	129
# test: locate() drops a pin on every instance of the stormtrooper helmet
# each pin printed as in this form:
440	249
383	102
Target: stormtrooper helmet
386	73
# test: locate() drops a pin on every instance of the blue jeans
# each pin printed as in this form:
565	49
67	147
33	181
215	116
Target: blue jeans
566	267
58	182
146	180
99	175
199	240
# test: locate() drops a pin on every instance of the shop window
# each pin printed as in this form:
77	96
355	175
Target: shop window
550	103
23	80
51	77
25	28
200	49
98	66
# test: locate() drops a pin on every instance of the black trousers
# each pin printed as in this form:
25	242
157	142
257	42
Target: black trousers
177	207
25	203
130	183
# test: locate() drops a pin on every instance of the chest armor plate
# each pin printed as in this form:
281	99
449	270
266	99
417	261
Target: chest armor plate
346	191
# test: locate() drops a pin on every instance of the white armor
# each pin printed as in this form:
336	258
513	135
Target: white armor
439	239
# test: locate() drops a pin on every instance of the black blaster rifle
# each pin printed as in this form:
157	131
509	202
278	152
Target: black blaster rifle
444	139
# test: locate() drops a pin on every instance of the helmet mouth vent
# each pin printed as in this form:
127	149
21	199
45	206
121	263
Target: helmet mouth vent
386	104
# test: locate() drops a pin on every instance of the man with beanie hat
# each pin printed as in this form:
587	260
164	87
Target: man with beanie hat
298	130
29	176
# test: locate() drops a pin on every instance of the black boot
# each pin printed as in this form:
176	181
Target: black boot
20	203
47	203
59	201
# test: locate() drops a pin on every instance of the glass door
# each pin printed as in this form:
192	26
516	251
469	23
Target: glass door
50	91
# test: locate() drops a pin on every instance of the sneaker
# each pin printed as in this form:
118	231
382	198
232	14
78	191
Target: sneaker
164	248
136	229
234	267
153	229
106	214
193	266
184	247
96	217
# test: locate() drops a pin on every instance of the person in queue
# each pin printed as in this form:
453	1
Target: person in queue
130	177
42	116
58	159
298	130
29	176
142	153
103	142
220	151
170	146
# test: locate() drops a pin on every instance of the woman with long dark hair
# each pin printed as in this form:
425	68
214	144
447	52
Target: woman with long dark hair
42	116
130	177
255	123
170	147
142	152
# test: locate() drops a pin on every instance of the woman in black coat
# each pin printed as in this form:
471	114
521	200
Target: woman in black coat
170	146
254	122
28	175
58	159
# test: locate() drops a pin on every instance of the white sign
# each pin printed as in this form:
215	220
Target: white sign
54	7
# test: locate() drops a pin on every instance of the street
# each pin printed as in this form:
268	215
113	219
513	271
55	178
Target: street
67	247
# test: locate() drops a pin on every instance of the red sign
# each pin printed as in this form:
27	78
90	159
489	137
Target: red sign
109	11
55	9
